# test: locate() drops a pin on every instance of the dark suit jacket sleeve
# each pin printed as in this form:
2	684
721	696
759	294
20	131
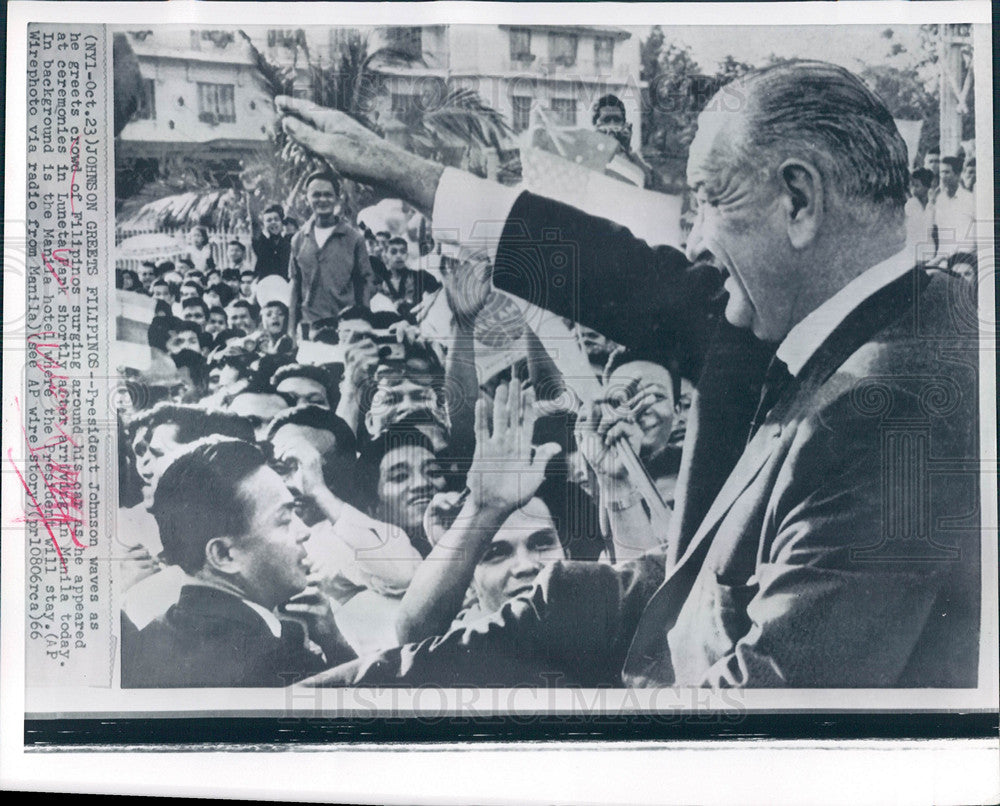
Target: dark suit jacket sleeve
574	629
830	606
597	273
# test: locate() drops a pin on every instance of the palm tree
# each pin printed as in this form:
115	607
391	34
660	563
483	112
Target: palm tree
451	125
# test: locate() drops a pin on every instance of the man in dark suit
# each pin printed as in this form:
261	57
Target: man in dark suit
843	548
229	522
272	247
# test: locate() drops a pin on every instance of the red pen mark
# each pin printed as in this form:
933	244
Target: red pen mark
58	258
62	501
76	167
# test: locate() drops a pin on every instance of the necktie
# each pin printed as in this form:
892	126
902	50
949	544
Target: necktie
776	379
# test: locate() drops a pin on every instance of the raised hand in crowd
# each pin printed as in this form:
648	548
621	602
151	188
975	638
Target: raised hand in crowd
360	362
467	287
301	468
603	428
506	472
507	469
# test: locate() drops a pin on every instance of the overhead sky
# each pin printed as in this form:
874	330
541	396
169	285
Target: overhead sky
850	47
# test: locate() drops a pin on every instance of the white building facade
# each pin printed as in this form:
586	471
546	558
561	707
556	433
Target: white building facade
561	69
201	95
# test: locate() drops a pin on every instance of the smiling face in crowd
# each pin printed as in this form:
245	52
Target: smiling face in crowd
272	223
525	543
657	420
195	314
322	198
409	476
239	318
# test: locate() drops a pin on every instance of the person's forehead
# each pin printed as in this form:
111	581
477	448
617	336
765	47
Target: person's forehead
411	455
641	371
320	186
711	150
610	112
533	517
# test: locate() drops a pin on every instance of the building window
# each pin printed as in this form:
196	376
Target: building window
285	37
562	49
216	103
604	49
147	101
564	111
520	112
520	45
407	41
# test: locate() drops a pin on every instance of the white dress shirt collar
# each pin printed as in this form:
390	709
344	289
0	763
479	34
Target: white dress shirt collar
808	336
272	621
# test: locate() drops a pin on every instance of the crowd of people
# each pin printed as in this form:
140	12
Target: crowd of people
315	486
941	211
370	425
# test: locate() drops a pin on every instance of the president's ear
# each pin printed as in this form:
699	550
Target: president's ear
802	188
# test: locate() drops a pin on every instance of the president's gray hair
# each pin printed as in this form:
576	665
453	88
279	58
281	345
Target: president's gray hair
827	115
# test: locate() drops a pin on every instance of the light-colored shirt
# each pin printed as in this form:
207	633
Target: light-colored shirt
368	553
808	335
322	234
955	218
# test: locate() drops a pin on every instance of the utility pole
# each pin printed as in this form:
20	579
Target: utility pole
955	64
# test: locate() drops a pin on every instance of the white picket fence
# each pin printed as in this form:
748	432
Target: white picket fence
218	238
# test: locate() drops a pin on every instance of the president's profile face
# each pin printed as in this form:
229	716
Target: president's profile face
740	222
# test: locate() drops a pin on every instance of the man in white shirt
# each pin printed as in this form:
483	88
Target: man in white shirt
954	212
808	569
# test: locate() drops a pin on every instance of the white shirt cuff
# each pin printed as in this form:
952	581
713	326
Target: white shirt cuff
471	212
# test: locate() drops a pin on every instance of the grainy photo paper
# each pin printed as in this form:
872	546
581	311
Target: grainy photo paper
486	364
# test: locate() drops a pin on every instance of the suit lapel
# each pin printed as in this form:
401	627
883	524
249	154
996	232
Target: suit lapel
648	661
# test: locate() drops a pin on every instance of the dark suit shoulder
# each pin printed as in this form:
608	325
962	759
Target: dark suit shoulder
211	638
